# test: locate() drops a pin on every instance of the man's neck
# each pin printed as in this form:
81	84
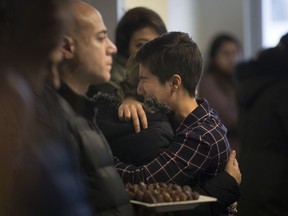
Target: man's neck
183	108
75	84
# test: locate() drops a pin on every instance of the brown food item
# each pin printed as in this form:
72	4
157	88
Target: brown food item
175	197
195	195
182	196
131	194
159	197
160	192
139	195
148	197
187	188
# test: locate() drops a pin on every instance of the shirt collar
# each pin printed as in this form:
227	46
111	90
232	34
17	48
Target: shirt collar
202	110
82	105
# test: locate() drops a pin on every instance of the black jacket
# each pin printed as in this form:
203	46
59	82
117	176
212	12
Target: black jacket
40	164
223	187
105	187
126	145
263	108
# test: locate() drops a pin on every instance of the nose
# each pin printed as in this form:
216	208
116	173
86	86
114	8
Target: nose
112	49
140	89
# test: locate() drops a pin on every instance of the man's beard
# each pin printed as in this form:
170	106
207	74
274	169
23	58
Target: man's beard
152	105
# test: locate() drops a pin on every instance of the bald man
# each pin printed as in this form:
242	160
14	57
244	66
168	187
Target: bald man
87	50
87	58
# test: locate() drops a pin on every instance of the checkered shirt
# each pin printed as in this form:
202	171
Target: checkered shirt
199	151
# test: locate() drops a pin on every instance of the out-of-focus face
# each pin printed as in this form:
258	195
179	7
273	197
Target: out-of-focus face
140	37
94	49
150	87
227	56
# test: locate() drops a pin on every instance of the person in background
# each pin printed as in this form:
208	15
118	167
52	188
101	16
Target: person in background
138	26
218	83
33	164
283	42
263	131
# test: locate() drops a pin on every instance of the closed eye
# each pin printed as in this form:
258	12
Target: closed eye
101	35
142	78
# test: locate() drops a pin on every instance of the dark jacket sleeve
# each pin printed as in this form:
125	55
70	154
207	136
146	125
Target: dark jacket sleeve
104	186
223	187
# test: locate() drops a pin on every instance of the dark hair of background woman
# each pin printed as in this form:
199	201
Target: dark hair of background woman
133	20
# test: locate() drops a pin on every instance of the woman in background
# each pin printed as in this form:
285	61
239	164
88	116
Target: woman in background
218	85
138	26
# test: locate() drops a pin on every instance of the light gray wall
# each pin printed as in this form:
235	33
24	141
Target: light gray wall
252	27
202	19
109	10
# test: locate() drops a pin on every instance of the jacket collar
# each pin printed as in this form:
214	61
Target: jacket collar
82	105
202	111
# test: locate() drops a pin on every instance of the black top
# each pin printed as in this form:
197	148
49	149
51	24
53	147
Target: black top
263	107
128	146
105	188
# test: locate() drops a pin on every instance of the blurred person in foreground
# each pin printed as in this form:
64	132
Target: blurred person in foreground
33	162
218	84
263	126
138	26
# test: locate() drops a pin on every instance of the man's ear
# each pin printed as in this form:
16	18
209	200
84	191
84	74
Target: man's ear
68	47
176	81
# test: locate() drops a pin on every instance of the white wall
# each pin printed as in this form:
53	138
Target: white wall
202	19
109	11
184	16
160	6
215	16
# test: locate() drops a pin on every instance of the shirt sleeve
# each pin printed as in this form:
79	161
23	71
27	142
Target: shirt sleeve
187	157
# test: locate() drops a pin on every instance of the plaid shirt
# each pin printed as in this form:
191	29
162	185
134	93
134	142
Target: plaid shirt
200	150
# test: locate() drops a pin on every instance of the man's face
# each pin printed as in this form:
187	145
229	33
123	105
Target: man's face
94	49
150	87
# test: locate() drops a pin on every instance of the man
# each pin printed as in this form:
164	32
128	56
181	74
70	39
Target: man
87	53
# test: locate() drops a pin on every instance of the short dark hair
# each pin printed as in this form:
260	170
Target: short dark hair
173	53
133	20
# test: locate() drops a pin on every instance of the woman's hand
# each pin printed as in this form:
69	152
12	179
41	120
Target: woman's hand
232	167
131	108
